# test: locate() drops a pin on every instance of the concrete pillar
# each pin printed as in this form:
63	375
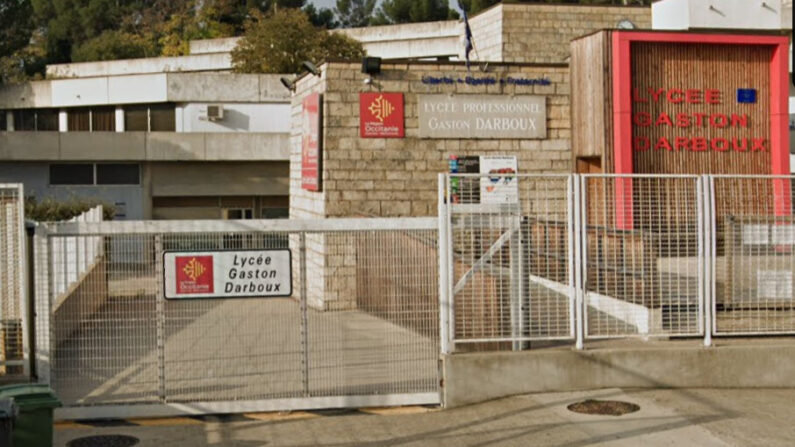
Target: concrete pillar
9	121
179	113
119	119
63	121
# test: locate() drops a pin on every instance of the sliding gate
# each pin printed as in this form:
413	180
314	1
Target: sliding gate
129	323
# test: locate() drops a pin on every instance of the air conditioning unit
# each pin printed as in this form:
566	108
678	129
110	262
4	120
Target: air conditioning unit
215	112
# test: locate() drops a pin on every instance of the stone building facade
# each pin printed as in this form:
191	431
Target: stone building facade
398	176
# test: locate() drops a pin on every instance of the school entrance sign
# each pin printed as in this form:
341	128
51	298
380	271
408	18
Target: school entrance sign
227	274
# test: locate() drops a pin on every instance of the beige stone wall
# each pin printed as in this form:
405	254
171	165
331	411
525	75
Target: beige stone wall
541	33
398	177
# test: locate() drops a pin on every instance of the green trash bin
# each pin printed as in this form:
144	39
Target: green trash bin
35	404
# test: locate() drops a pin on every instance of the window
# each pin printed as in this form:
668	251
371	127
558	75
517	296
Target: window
78	120
136	118
275	213
95	174
72	174
118	174
103	119
24	120
3	125
238	213
154	118
162	118
47	120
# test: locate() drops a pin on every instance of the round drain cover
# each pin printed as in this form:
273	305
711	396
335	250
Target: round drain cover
603	407
104	441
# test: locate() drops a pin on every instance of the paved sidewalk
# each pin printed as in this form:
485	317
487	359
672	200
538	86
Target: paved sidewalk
666	418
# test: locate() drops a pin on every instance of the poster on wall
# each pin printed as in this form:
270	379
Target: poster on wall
311	143
381	115
498	186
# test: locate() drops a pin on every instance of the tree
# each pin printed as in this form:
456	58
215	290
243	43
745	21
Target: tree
16	25
354	13
473	7
111	45
279	41
321	18
410	11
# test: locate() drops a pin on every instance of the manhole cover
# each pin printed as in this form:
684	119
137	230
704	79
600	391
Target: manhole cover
603	407
104	441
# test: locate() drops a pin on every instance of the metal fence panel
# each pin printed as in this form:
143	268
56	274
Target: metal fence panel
13	283
511	275
362	320
643	256
754	255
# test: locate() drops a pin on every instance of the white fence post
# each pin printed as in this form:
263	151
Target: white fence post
443	248
579	235
707	256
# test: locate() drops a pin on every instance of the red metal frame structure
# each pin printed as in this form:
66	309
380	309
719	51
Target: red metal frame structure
622	109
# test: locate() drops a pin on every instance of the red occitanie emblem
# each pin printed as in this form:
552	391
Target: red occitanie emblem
194	274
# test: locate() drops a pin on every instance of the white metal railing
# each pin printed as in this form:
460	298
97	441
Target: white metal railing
647	256
77	255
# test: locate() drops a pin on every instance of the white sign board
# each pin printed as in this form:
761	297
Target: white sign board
227	274
501	186
774	284
755	234
783	234
482	116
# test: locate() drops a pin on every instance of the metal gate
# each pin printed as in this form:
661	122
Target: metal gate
508	260
14	356
359	329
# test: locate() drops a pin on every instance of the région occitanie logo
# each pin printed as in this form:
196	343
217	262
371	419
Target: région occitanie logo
194	269
381	108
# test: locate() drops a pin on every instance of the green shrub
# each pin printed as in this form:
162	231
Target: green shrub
49	210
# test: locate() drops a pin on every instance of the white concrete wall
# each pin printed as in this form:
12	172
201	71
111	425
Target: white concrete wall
142	89
265	118
199	62
722	14
209	46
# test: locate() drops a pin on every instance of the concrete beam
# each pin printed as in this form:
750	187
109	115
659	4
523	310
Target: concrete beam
143	146
477	377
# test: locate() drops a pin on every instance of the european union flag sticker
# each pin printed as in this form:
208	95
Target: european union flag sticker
746	95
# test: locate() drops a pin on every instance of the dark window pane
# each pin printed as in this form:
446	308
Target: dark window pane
47	120
3	125
103	119
275	213
77	120
72	174
162	118
24	120
118	174
135	118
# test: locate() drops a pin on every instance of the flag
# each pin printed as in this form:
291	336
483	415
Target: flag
467	35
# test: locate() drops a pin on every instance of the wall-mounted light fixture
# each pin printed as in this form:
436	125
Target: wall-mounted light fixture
288	83
310	67
371	66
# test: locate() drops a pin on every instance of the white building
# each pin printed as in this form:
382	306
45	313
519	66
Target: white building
162	138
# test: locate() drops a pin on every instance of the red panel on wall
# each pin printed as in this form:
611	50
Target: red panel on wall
311	143
381	115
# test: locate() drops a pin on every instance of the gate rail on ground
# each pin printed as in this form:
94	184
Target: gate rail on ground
360	328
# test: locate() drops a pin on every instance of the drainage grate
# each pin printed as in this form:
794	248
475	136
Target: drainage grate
103	441
603	407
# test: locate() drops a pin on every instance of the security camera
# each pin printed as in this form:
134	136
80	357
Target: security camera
368	81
